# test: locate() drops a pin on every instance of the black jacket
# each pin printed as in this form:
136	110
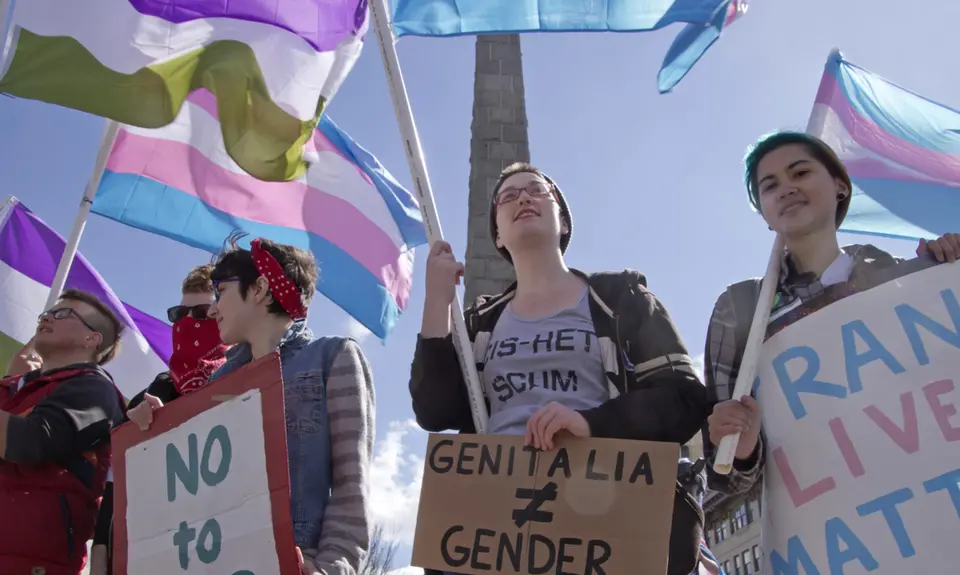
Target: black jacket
162	387
655	392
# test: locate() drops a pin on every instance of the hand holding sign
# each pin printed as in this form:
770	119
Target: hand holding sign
142	414
945	248
549	420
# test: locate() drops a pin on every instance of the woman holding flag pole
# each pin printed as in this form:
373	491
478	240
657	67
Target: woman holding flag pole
802	190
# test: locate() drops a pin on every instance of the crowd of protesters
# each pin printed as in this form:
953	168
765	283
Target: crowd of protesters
634	377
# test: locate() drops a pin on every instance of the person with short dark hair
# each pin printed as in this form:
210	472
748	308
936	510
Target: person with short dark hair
55	427
593	355
802	190
197	353
262	296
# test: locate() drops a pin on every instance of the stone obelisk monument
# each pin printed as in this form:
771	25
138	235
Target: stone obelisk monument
498	138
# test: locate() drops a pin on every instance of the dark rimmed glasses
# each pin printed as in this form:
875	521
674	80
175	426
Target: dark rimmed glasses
534	190
216	286
64	313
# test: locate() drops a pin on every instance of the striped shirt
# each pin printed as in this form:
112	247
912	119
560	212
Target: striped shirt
350	408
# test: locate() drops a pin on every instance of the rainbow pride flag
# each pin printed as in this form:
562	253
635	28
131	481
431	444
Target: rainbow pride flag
360	224
902	152
30	252
273	66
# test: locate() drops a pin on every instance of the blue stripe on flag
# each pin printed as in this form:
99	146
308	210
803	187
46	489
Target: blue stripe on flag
146	204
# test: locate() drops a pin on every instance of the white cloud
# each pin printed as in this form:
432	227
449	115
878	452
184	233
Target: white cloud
395	478
698	365
356	330
406	571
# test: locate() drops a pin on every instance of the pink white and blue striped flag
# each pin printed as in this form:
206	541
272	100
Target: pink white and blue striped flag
30	252
360	224
902	152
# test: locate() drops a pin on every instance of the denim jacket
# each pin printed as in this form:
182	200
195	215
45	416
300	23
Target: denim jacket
305	362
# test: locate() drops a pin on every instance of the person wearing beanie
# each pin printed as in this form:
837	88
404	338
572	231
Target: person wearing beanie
802	190
595	355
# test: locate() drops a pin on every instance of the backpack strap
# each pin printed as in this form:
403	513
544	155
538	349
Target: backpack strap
744	297
617	291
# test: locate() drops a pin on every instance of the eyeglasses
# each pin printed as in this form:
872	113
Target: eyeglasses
534	190
178	312
216	286
64	313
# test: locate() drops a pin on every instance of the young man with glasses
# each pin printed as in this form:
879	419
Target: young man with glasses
197	353
55	427
595	355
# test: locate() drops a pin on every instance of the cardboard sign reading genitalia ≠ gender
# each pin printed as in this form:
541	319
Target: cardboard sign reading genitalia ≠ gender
489	504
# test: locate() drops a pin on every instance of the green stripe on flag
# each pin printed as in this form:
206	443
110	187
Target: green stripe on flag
8	347
263	139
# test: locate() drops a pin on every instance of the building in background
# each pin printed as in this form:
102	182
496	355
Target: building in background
732	530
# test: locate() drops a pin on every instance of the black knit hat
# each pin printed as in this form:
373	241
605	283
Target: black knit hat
561	201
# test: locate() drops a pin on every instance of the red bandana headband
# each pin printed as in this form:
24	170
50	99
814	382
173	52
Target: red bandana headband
281	288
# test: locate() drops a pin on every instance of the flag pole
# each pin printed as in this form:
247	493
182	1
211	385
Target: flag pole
86	201
421	181
761	317
6	17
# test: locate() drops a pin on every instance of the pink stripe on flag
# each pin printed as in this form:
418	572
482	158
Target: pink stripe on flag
867	133
207	102
286	204
880	170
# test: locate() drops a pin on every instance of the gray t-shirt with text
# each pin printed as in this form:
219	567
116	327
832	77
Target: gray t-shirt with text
531	362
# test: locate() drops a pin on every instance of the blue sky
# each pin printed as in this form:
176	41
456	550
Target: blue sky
654	182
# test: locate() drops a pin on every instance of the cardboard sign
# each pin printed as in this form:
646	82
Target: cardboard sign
860	411
206	489
591	506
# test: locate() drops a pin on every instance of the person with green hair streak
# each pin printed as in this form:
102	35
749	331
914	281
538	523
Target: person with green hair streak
802	190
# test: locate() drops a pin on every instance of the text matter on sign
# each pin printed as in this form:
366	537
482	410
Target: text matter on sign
199	496
489	504
860	414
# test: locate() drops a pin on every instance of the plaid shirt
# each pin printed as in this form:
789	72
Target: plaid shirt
723	353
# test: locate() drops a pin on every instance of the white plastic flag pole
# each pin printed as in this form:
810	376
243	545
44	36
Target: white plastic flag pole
751	354
79	223
761	317
421	181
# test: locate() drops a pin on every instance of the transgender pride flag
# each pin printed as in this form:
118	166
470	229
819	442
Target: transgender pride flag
360	224
901	149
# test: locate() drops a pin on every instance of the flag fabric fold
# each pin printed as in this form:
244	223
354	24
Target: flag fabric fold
30	252
359	223
901	149
272	65
692	42
704	21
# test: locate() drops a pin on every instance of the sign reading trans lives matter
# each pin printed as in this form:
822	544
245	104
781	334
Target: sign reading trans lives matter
860	410
489	504
205	490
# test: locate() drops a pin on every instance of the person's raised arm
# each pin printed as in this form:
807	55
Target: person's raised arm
437	388
77	415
